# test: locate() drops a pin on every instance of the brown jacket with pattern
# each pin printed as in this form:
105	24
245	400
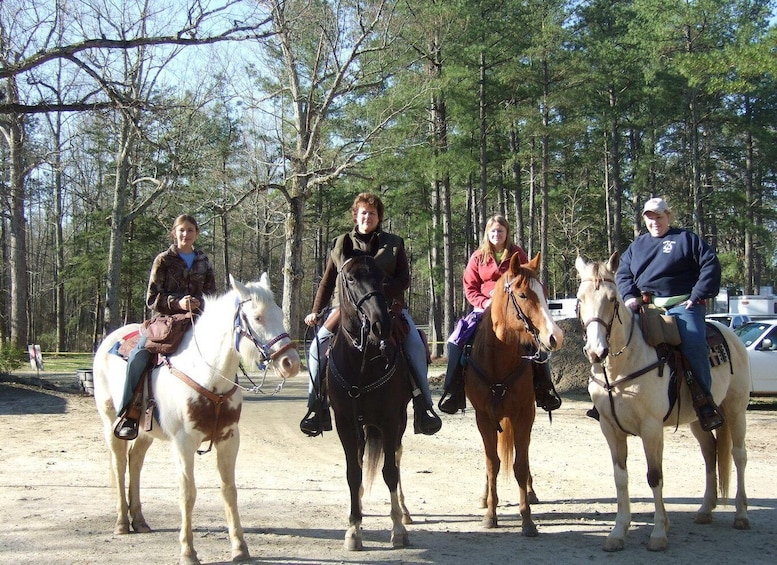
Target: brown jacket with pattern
170	281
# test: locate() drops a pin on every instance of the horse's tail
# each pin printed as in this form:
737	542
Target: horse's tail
373	454
723	444
506	447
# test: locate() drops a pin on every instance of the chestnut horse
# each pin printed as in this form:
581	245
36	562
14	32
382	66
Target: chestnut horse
499	379
195	399
629	386
367	381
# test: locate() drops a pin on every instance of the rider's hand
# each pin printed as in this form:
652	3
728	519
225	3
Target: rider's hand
311	319
633	304
188	303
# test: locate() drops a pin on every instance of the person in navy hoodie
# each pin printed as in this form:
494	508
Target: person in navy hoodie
675	269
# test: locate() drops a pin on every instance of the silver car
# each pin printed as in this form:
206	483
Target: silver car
760	339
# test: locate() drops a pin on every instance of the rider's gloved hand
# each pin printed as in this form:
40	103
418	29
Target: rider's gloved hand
633	304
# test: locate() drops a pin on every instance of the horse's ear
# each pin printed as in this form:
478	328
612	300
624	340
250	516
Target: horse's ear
580	264
613	262
534	264
264	281
238	287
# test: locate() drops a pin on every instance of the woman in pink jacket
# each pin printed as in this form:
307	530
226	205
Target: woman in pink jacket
484	268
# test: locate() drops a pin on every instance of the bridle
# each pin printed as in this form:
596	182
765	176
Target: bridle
244	329
360	341
531	329
615	315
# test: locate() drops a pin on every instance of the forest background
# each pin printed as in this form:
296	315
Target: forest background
264	118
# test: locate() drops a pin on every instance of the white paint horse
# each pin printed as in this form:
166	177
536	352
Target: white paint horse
196	399
631	393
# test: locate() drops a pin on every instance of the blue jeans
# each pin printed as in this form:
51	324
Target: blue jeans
137	361
690	323
414	346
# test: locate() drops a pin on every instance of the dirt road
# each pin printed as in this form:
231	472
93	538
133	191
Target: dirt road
58	505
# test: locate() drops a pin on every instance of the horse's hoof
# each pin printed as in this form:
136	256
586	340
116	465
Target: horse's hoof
703	518
407	519
741	524
489	522
189	560
657	544
614	544
122	528
353	545
400	541
529	531
532	498
241	554
353	540
141	527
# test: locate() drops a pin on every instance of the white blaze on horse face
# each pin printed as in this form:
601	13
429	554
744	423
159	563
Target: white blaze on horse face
593	307
551	335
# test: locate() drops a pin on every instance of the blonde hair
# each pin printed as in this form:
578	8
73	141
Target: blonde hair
486	248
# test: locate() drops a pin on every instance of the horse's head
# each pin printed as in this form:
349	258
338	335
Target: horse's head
597	304
519	303
363	302
259	320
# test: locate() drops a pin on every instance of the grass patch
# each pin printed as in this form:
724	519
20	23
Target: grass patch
64	362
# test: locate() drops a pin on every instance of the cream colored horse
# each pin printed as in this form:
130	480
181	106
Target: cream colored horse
196	401
631	404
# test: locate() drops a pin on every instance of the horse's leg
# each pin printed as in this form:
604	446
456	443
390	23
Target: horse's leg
488	434
737	426
118	449
187	496
226	456
406	517
521	438
708	447
350	442
391	477
530	492
652	433
137	455
618	453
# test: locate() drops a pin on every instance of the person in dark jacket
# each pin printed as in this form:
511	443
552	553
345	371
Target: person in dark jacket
180	278
675	269
389	252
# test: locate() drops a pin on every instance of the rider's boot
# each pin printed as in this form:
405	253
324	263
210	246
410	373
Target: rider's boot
425	420
545	393
318	419
454	383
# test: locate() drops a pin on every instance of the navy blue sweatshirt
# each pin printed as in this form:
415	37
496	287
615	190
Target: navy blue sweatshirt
678	263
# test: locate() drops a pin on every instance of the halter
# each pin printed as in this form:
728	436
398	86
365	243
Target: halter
244	329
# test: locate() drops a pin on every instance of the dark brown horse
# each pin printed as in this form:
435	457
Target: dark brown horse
369	391
499	381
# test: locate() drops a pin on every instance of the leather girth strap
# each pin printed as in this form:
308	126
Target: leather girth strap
217	399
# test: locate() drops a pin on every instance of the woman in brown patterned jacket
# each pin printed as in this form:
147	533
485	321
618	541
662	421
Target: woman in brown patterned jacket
180	278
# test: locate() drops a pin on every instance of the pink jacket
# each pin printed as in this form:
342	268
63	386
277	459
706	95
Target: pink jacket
480	278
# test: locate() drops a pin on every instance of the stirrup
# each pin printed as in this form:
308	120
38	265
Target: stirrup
454	402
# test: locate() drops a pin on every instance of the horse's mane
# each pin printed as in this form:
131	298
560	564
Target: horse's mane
220	308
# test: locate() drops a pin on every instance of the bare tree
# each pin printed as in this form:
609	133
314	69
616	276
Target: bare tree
330	55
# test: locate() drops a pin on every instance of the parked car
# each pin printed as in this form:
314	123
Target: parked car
731	320
760	339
